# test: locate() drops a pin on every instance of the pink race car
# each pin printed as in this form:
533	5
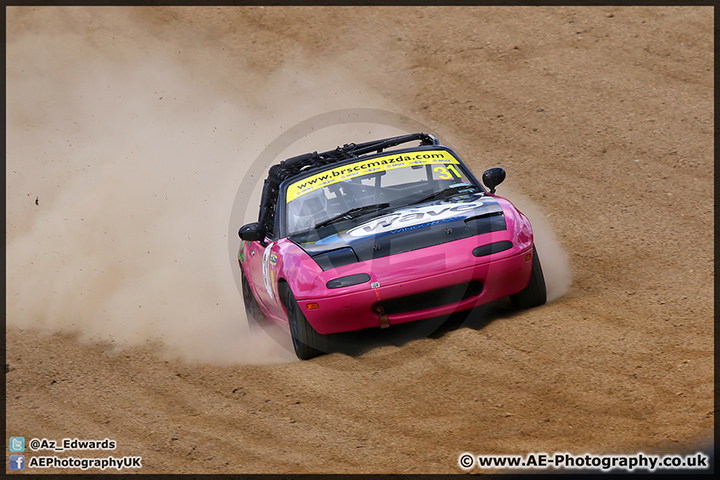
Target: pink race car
359	237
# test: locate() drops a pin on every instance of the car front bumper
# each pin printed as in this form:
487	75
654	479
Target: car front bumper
420	295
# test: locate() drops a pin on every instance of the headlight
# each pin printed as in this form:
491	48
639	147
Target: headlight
492	248
335	258
348	281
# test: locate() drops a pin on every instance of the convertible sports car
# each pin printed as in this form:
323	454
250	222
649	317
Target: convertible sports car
359	237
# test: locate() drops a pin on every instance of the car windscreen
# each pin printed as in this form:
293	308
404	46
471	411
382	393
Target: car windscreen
366	188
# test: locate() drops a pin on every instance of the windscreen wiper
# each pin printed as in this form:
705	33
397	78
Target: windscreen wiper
445	192
353	213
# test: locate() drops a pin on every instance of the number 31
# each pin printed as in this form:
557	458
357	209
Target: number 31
445	175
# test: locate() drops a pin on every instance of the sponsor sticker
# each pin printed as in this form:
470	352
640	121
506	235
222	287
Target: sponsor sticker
373	165
413	218
268	274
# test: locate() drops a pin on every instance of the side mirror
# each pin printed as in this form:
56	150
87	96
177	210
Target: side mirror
493	177
252	232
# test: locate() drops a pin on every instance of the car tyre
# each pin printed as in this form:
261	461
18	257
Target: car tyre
535	294
306	341
255	316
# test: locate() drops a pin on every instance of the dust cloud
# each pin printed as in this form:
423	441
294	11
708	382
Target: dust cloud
122	167
553	258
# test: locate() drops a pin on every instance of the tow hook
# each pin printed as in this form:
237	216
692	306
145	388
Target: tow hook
384	322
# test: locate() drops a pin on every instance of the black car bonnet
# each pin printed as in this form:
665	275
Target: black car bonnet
402	230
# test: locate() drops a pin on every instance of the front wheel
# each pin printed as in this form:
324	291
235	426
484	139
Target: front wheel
535	294
306	341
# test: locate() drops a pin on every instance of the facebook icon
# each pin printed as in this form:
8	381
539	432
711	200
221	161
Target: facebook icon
17	462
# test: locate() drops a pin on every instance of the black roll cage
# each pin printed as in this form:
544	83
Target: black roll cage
306	163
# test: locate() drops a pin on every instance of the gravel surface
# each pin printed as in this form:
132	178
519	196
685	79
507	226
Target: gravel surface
130	129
